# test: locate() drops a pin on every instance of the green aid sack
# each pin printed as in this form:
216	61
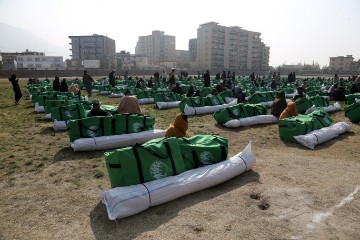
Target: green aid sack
353	112
90	127
319	101
132	123
166	97
109	108
255	109
155	159
299	125
69	112
323	119
213	101
350	99
303	104
55	103
202	150
233	112
191	102
262	97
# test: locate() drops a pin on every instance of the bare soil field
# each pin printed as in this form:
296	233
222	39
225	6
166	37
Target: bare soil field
48	191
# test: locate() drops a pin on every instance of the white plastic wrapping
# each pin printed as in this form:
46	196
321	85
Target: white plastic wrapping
60	125
229	99
316	137
115	141
206	109
330	108
146	100
48	116
357	99
254	120
38	108
116	95
126	201
105	92
165	105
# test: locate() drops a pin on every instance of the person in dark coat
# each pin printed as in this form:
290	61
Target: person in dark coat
196	94
97	111
207	79
238	93
299	94
15	82
112	78
63	86
88	81
279	104
56	84
190	92
177	89
338	94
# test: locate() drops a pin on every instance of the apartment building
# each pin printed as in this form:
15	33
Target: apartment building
341	63
192	49
158	47
127	61
221	47
92	47
32	60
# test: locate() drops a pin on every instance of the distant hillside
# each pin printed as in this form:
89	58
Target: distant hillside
14	39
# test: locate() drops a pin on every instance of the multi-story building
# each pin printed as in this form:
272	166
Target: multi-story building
221	47
32	60
341	63
158	47
192	49
92	47
127	61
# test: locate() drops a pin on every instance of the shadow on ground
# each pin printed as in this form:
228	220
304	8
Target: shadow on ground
68	154
150	219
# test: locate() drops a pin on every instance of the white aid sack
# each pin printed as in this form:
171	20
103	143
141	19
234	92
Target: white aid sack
255	120
206	109
116	95
38	108
166	105
126	201
60	125
146	100
48	116
115	141
316	137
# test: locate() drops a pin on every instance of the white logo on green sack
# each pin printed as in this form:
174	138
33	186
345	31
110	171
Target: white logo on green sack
158	170
136	127
92	131
205	158
68	113
235	112
215	101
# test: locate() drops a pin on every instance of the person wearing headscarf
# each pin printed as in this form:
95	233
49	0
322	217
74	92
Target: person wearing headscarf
63	86
290	111
74	89
279	104
179	128
129	104
15	82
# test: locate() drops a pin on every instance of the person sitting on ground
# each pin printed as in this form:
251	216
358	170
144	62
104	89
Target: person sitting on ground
105	81
289	111
338	94
179	128
238	93
177	89
97	111
74	89
197	94
63	86
299	93
129	104
214	92
279	104
190	92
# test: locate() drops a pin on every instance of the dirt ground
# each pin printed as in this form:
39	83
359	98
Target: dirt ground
50	192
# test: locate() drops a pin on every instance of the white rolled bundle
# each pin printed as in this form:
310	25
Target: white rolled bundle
60	125
48	116
229	100
115	141
38	108
126	201
206	109
316	137
105	92
146	100
166	105
331	108
116	95
254	120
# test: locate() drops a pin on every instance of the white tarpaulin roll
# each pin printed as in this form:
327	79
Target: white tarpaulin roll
48	116
126	201
105	92
115	141
165	105
254	120
331	108
146	100
316	137
116	95
38	108
60	125
206	109
229	99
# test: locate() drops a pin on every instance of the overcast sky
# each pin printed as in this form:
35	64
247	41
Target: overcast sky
295	30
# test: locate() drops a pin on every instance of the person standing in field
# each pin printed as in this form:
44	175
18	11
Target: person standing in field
88	81
207	79
112	78
15	82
